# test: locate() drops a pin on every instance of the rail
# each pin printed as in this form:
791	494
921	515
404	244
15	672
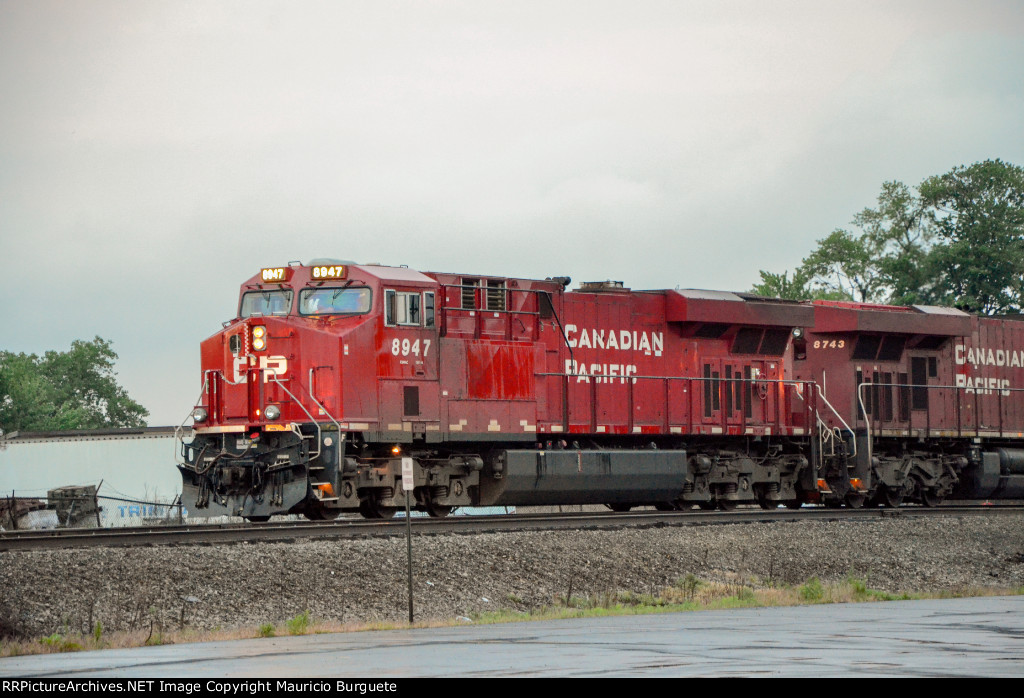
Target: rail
255	376
191	534
735	417
506	309
981	409
179	430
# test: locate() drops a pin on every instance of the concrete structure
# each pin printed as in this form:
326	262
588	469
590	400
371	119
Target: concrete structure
132	464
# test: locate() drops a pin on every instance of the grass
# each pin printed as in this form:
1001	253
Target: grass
300	624
687	594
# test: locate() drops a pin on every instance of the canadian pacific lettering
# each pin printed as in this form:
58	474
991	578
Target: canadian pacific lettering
985	356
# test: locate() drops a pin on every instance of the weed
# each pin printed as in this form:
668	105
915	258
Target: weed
299	625
53	640
812	590
267	630
59	643
689	584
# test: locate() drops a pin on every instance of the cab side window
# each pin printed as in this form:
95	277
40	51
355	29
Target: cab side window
408	308
428	309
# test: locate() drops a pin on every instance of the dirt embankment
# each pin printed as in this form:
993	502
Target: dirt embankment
226	586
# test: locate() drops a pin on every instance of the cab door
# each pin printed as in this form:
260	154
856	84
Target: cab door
408	362
712	394
732	395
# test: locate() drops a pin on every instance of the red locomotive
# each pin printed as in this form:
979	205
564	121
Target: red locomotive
517	392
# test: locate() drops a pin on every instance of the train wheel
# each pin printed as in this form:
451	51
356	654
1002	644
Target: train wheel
437	511
727	504
931	498
765	503
710	505
855	500
888	497
370	509
793	504
619	507
665	506
315	512
257	519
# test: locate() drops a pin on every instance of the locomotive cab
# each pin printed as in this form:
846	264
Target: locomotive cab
268	427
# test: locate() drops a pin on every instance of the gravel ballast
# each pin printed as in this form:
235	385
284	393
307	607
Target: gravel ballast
363	581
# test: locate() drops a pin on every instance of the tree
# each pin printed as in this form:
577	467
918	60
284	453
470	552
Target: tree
796	288
898	239
76	389
844	264
978	214
959	240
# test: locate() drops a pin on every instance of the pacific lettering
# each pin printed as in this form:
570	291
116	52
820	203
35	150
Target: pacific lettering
601	373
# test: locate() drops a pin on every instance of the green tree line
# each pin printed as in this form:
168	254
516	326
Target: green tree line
957	240
76	389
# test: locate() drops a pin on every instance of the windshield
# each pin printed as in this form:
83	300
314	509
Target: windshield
277	302
334	301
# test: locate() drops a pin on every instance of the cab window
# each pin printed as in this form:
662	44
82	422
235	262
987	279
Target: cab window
277	302
334	301
408	308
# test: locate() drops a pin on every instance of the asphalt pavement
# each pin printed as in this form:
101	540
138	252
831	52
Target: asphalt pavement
934	638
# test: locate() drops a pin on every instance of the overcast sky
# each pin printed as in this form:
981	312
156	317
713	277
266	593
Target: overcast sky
154	154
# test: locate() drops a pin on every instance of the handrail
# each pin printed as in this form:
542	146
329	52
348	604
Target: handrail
839	417
337	424
1000	391
299	403
594	379
274	377
178	439
508	311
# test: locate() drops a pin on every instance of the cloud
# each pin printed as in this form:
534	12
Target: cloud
153	155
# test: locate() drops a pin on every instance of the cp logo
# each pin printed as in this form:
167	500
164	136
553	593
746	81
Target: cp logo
272	365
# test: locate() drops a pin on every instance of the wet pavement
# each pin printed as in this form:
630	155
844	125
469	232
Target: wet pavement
955	637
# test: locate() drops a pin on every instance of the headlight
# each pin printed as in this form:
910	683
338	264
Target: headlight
798	332
259	338
199	414
273	412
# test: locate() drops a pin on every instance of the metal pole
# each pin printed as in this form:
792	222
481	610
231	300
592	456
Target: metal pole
96	503
408	540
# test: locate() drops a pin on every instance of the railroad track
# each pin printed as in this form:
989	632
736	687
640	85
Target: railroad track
208	534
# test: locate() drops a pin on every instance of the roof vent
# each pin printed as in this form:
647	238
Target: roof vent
601	286
329	261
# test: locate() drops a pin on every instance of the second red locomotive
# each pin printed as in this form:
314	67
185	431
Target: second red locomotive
515	392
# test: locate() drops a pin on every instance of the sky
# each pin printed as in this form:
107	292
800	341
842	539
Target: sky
154	154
